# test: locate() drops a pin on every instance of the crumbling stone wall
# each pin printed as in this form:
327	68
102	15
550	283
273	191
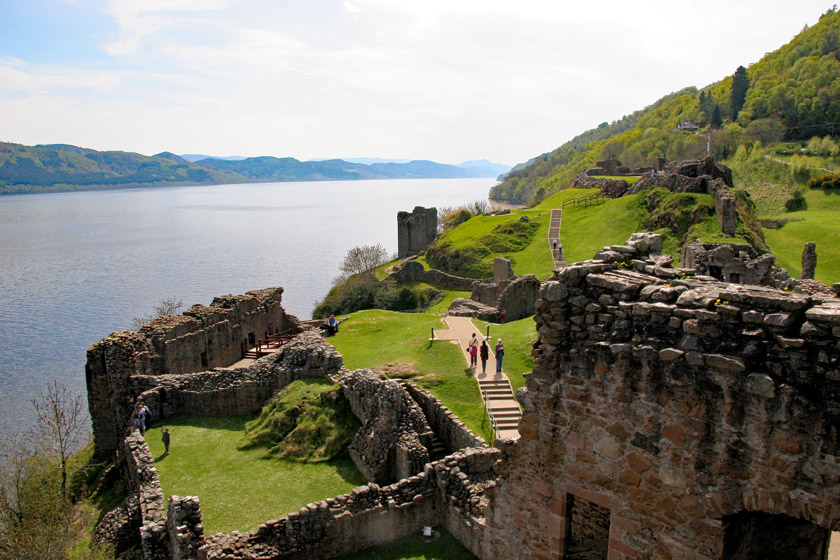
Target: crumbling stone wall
445	492
186	533
144	483
234	392
674	404
413	271
395	438
809	260
448	427
739	264
200	339
415	230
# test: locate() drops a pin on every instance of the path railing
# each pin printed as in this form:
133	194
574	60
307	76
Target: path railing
586	200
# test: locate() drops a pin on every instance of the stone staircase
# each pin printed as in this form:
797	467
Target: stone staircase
554	238
501	404
437	450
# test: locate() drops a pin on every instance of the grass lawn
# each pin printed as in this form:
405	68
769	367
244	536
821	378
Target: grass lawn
586	229
239	490
821	224
448	296
518	338
398	344
413	548
629	178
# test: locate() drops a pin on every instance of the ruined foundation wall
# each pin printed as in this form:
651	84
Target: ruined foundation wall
413	271
448	427
234	392
395	438
144	483
672	404
202	338
369	515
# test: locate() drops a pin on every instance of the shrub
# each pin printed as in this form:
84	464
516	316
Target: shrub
796	202
825	181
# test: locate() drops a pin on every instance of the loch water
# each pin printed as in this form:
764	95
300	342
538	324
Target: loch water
75	267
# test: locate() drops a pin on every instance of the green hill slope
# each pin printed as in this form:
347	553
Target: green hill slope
793	93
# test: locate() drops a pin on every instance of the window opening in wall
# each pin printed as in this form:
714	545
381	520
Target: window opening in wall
252	340
715	271
204	362
589	530
755	534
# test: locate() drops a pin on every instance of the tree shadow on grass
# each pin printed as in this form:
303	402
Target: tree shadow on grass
230	423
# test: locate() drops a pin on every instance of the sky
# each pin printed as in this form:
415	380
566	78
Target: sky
446	80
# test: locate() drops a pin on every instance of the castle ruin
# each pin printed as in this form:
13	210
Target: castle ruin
668	416
415	230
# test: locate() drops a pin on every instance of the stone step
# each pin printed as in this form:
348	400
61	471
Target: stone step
507	415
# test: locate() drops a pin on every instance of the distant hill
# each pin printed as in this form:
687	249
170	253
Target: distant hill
792	93
192	158
62	167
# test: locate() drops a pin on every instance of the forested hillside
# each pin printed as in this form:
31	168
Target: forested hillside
62	167
791	94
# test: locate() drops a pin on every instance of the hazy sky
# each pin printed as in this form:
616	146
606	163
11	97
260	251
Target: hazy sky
447	80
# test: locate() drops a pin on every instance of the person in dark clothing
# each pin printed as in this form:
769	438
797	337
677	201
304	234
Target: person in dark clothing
164	436
485	353
500	353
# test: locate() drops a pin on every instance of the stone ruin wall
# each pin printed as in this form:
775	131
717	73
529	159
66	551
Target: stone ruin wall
395	439
398	433
446	492
413	271
234	392
200	339
682	408
695	176
415	230
448	427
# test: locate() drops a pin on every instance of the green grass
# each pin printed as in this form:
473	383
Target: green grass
413	548
398	344
533	258
629	178
585	230
820	223
518	338
204	461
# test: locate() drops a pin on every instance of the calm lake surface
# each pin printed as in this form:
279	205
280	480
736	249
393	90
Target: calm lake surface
75	267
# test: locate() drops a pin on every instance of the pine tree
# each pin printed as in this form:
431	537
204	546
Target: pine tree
740	85
716	121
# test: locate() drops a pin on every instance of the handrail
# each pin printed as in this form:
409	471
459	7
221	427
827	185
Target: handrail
489	412
586	200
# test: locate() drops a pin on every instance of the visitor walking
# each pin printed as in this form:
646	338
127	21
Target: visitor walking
485	353
143	414
500	354
472	349
164	436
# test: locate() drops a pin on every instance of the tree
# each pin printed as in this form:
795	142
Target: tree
166	308
59	427
716	121
38	518
738	94
361	260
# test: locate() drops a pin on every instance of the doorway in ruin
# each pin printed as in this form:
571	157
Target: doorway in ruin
755	534
589	530
252	340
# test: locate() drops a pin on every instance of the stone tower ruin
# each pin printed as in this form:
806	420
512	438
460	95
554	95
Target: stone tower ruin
415	230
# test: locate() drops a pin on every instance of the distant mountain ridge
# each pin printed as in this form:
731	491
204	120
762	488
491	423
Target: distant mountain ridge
64	167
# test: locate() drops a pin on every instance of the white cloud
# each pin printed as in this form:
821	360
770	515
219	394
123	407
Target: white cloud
16	78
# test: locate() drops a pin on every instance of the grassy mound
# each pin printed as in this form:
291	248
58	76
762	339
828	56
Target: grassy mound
469	249
309	420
